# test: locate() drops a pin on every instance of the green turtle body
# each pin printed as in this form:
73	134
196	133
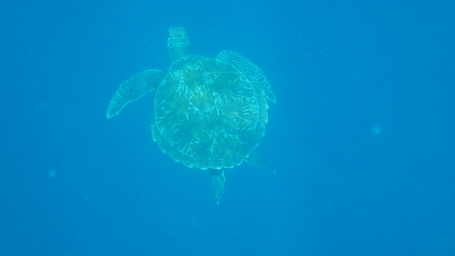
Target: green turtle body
210	113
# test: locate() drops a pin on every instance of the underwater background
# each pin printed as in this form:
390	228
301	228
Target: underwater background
362	135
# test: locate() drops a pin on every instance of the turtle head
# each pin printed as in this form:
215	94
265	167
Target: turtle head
178	43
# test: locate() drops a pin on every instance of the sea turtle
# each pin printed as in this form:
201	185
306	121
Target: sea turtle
210	113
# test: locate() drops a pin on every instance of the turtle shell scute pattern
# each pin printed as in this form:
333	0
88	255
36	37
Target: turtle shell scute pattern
208	114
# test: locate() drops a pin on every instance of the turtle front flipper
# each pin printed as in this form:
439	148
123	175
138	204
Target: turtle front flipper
134	88
218	180
251	70
256	160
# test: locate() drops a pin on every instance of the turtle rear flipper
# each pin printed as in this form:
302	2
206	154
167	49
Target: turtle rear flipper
134	88
256	160
218	180
251	70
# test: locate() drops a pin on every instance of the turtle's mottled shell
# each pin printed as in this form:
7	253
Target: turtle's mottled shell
208	114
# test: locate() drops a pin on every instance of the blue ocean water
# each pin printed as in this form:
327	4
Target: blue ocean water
362	134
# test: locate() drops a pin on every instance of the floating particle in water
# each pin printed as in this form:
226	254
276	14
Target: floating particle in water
52	173
376	130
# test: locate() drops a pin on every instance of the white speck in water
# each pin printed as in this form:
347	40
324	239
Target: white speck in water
376	130
52	173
